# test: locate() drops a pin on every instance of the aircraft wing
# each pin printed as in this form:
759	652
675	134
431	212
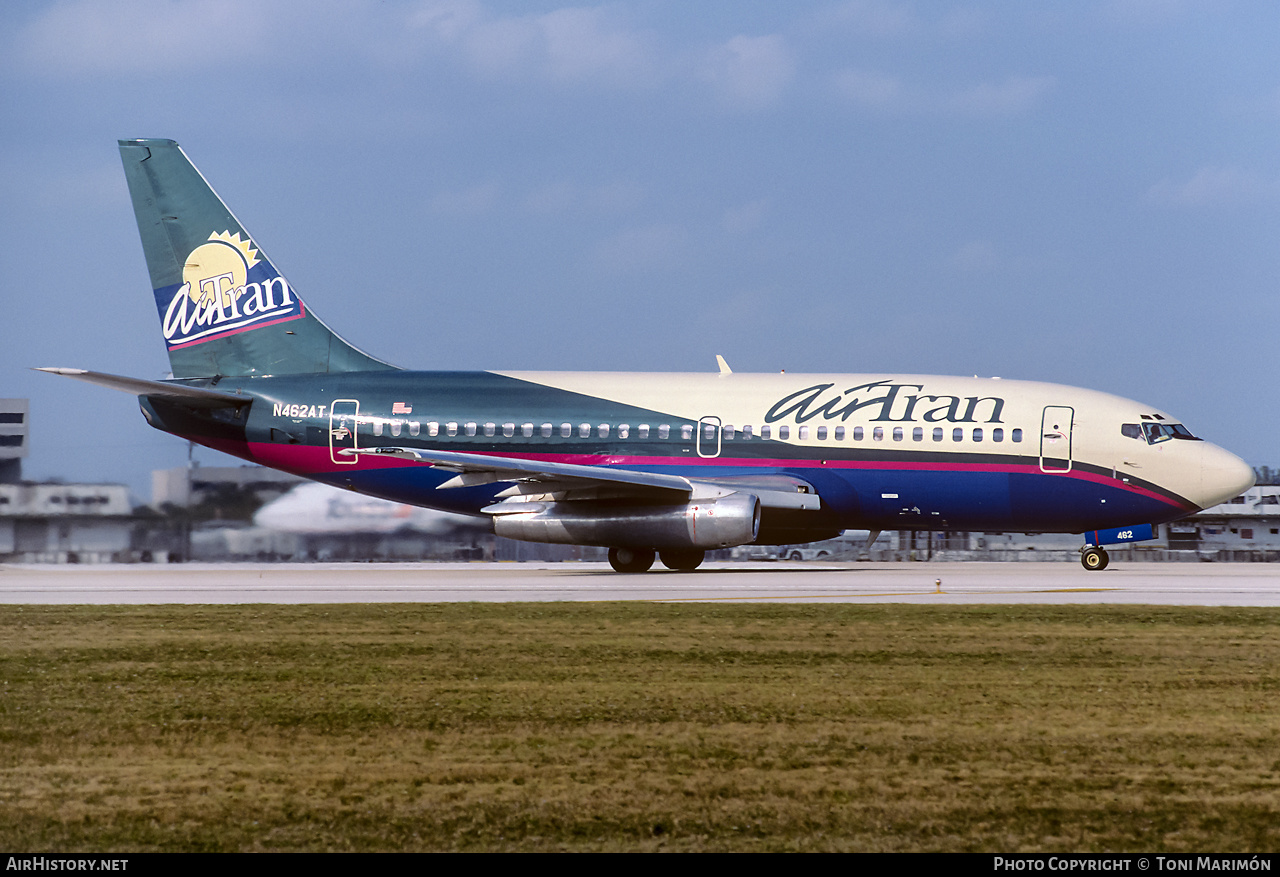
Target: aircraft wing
534	476
578	481
192	397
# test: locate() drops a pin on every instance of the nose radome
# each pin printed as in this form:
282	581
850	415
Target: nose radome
1223	475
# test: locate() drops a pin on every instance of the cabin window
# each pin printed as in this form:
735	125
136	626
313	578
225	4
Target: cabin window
377	426
584	430
396	426
415	427
624	430
603	431
877	434
784	432
686	432
977	433
490	428
526	430
804	433
1017	435
728	432
546	430
839	433
917	434
566	430
897	433
508	429
766	431
664	431
708	431
822	433
642	431
451	427
937	434
470	427
857	433
746	432
957	434
997	434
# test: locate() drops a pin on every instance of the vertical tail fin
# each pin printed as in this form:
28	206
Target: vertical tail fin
224	308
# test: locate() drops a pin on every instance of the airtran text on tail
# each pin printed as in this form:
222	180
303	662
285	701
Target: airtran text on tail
226	289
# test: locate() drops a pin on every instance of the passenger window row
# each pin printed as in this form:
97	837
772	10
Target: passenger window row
644	431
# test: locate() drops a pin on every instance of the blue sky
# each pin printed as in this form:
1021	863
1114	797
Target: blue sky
1080	192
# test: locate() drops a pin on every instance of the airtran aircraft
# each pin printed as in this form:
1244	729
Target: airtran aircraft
665	465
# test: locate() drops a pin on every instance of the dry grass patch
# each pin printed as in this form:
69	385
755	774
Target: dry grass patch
637	726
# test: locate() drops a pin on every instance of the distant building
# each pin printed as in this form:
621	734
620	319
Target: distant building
60	523
1246	523
14	438
191	486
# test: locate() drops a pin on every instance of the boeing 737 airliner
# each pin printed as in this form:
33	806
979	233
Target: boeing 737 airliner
645	464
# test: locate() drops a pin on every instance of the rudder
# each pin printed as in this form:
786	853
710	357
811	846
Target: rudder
224	308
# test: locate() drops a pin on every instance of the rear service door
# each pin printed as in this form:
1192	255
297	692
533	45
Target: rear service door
344	416
709	437
1055	439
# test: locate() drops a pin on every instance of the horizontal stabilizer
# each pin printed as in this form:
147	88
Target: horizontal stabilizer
192	397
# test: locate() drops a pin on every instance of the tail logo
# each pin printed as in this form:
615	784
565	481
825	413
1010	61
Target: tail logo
226	289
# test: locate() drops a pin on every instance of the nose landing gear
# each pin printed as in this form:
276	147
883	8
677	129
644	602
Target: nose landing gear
1094	558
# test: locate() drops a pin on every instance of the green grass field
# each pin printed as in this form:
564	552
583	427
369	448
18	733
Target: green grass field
639	726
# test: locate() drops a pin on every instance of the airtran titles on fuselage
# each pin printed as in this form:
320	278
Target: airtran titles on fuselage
889	402
224	291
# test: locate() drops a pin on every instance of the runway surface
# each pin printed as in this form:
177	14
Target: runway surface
1167	584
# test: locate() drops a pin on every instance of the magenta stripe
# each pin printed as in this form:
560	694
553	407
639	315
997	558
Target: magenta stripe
304	458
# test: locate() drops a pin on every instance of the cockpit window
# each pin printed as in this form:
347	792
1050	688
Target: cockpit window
1162	432
1131	430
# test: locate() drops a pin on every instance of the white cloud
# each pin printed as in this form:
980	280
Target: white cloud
639	248
1214	185
749	73
565	45
467	202
871	89
84	36
745	217
875	18
448	19
565	197
1011	96
977	257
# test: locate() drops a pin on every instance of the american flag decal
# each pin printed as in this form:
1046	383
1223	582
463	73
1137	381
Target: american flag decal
401	408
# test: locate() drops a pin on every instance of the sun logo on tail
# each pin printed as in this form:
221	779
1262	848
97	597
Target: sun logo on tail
219	268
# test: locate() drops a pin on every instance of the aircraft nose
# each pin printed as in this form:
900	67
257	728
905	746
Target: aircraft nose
1223	475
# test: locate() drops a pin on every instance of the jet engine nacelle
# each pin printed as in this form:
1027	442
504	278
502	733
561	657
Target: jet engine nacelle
713	523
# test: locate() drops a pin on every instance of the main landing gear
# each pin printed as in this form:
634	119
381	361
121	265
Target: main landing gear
641	559
1094	557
